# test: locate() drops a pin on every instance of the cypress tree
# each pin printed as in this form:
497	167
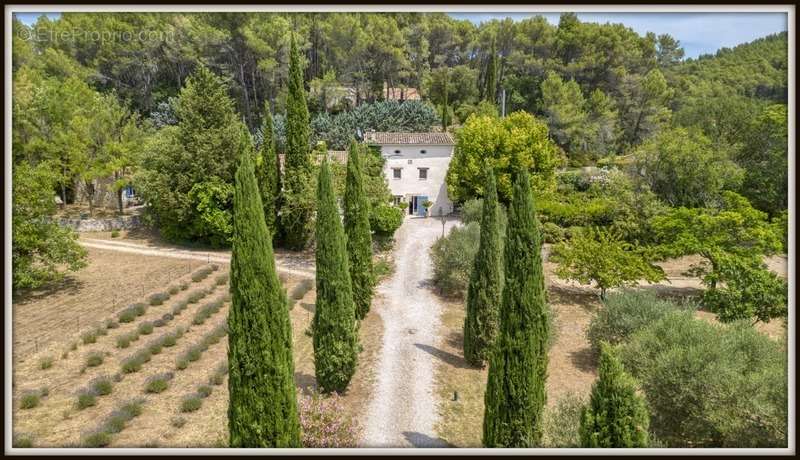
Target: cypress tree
268	173
334	325
445	111
515	392
485	282
298	194
262	410
490	93
357	230
616	416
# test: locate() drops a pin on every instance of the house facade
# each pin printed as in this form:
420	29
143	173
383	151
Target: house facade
416	167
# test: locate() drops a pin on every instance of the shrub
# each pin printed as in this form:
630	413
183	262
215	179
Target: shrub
218	376
191	403
159	323
206	311
127	315
213	267
89	337
73	346
22	441
124	340
145	328
552	233
86	398
201	274
94	359
167	317
115	422
139	308
46	362
44	391
114	233
179	307
195	297
158	383
181	362
101	386
177	422
626	312
155	346
158	298
300	289
111	324
385	219
168	340
184	285
710	385
174	290
134	363
204	391
748	291
453	257
29	400
221	279
132	408
561	422
324	423
97	438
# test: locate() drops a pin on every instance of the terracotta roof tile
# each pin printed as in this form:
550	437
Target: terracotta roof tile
409	138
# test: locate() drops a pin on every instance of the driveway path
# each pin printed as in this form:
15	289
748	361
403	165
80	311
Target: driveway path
403	410
283	264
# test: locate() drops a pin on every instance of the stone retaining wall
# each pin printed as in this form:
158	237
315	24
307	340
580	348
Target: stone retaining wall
101	225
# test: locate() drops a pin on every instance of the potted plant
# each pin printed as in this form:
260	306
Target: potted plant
427	204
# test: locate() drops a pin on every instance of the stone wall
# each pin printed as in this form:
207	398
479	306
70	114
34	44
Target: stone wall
102	225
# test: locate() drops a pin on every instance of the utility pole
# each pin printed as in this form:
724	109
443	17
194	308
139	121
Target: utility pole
504	103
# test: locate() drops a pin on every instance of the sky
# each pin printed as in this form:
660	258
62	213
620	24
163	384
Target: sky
698	33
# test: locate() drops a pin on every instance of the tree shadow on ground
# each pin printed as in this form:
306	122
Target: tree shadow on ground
307	383
309	307
455	339
585	298
449	358
68	285
423	440
584	359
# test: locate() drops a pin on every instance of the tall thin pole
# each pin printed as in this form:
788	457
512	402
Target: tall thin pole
504	103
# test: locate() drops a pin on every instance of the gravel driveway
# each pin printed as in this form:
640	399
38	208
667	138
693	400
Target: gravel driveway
403	410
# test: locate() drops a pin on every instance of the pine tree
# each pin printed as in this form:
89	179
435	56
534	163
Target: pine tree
262	409
490	92
334	325
485	283
268	174
298	194
616	416
515	392
357	230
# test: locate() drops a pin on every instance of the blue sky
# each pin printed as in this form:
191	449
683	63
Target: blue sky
699	33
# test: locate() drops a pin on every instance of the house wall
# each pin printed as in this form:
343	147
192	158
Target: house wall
436	159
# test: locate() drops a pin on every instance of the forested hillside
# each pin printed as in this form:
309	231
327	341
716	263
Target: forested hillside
101	95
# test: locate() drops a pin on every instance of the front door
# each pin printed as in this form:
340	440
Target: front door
419	205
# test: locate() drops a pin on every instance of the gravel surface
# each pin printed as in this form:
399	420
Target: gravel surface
403	410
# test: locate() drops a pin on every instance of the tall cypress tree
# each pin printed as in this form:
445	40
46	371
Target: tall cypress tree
268	173
616	416
262	410
298	194
490	92
445	111
485	282
357	230
515	392
334	326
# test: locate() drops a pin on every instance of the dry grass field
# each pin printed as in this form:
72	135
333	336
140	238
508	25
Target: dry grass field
58	421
